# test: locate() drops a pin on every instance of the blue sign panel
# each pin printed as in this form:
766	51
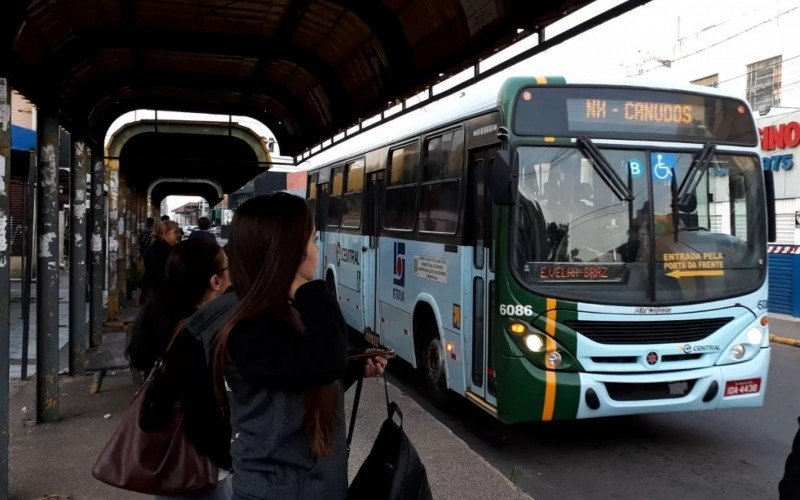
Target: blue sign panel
399	274
663	165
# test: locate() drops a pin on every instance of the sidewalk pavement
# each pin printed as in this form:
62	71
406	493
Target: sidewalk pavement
56	459
15	339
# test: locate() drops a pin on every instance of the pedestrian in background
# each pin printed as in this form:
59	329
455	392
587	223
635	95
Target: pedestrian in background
196	275
165	237
202	231
283	356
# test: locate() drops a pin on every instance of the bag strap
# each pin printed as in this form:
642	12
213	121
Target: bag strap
354	412
159	364
175	333
391	408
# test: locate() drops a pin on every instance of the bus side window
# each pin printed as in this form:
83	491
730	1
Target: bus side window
440	193
353	194
401	191
311	195
335	200
322	205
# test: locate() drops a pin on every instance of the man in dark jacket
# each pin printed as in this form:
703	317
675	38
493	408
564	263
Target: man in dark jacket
202	231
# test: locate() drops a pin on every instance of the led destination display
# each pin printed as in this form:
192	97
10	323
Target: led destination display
633	113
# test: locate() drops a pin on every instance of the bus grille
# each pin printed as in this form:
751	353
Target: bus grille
648	332
654	390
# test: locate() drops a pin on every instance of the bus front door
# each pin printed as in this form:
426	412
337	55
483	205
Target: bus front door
369	277
480	368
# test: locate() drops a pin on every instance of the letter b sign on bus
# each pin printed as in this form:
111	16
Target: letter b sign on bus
635	168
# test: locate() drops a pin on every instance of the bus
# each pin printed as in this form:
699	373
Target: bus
564	251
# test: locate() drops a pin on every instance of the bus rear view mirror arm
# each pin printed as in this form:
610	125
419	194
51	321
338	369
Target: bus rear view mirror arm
504	177
769	187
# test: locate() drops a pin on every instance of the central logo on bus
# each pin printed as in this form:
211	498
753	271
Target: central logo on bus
652	358
346	255
399	276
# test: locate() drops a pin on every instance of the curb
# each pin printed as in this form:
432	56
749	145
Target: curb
784	341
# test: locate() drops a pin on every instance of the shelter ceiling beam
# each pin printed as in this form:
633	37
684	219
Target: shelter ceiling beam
93	40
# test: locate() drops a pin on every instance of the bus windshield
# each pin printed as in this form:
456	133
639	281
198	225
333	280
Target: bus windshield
686	229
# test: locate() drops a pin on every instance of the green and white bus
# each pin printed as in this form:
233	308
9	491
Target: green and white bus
562	251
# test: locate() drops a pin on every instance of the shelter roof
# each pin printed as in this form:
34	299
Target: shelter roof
305	68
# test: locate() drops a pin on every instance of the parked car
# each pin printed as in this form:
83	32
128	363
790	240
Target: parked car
217	231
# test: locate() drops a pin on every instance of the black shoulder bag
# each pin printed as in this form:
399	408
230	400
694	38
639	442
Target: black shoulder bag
393	469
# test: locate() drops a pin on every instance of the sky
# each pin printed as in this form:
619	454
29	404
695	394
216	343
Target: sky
607	52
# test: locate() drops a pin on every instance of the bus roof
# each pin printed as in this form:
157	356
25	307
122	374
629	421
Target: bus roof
479	98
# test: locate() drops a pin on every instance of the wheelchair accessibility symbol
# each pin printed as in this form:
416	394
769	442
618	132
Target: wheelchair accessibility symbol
663	165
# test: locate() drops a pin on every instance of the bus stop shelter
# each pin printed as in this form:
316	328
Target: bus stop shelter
312	71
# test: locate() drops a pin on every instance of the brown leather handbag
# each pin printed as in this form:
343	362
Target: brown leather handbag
155	460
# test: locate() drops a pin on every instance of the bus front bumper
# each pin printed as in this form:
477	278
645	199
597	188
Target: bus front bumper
715	387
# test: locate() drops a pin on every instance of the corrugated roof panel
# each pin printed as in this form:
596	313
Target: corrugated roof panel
88	13
158	60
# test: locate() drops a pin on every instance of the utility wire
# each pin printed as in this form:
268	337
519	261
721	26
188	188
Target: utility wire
735	35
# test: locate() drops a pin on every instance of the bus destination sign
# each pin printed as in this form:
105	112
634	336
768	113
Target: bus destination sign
635	111
576	272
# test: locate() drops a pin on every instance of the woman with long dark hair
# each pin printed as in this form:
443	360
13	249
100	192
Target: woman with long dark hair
283	357
196	274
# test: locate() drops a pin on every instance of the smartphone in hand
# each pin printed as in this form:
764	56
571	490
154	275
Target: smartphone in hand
371	353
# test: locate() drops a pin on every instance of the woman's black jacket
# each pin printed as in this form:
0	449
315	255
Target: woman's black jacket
188	382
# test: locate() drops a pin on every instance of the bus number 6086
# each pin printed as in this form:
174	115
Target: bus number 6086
515	310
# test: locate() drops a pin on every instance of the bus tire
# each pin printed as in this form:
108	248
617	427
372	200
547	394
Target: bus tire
330	283
433	371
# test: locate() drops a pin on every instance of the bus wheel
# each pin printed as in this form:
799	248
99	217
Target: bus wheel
433	369
330	283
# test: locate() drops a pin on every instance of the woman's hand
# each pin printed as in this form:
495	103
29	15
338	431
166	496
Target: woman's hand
374	367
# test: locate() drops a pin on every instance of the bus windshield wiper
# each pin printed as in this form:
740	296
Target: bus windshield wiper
604	170
695	173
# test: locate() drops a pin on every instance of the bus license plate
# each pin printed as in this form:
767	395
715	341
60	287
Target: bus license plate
741	387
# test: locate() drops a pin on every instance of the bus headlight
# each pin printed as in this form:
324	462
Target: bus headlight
552	359
738	351
755	336
534	342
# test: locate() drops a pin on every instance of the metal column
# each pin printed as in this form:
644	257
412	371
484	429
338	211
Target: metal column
113	244
98	254
5	276
27	266
47	272
78	333
122	234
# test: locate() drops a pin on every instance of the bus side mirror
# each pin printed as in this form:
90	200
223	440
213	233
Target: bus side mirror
769	187
504	178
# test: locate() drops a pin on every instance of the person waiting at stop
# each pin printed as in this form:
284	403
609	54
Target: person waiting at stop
281	358
202	231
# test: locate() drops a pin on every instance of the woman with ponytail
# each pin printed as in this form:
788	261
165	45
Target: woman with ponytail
282	358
